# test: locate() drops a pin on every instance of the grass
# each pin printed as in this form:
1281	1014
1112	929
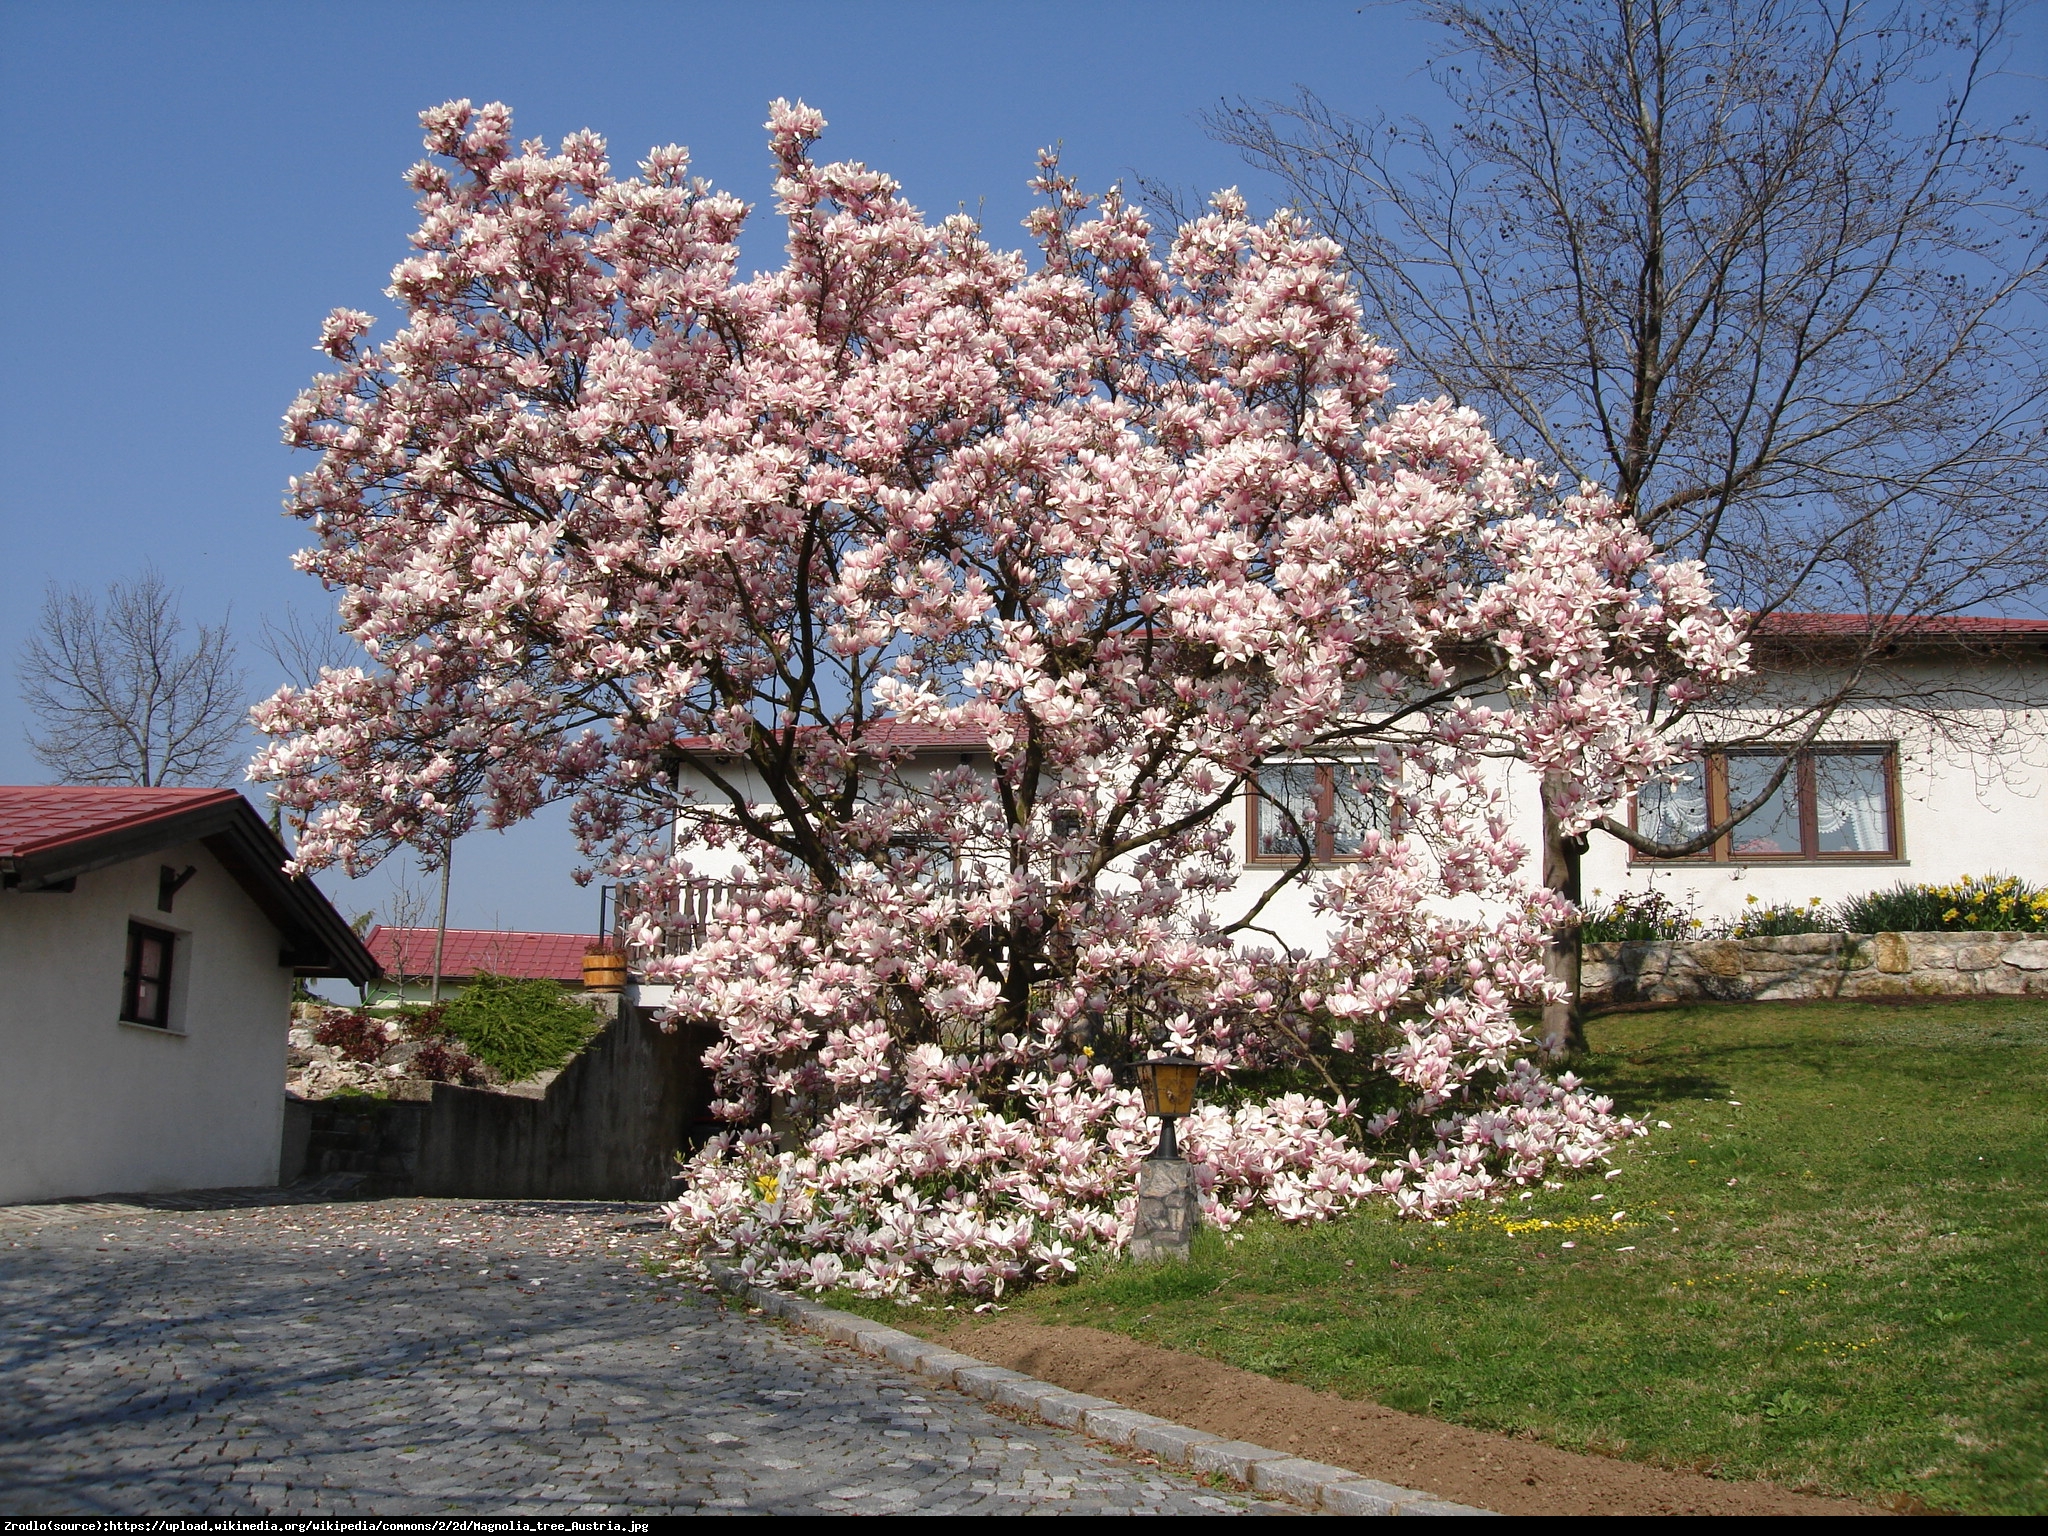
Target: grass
1830	1271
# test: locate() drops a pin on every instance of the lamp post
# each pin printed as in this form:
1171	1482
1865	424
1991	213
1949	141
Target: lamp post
1168	1206
1168	1086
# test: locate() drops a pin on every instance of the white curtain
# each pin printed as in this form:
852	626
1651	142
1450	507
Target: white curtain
1674	808
1849	806
1358	805
1292	790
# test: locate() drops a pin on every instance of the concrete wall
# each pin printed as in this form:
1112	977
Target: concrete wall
1817	965
607	1128
90	1105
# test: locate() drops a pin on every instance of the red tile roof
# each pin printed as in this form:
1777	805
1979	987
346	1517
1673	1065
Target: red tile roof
38	818
1960	626
552	956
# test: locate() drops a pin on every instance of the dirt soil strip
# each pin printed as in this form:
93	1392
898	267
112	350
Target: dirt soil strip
1515	1477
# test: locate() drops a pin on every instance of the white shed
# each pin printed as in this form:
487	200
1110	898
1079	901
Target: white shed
148	943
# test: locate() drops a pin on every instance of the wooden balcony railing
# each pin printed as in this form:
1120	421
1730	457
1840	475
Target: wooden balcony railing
684	925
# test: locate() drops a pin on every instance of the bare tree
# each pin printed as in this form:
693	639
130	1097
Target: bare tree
303	648
405	909
1761	265
120	696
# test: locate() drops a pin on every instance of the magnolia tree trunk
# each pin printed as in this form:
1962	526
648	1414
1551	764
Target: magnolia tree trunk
1563	1027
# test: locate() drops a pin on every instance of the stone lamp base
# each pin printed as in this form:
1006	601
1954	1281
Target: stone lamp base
1168	1209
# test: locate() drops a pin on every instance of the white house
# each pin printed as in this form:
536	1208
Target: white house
1950	781
1884	794
148	943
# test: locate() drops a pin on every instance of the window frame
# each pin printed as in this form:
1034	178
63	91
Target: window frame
1325	850
1802	783
131	977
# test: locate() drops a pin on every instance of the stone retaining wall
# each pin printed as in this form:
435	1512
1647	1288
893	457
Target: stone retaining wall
1810	965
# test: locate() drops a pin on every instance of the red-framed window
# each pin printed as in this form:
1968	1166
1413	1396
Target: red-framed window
146	984
1325	808
1839	802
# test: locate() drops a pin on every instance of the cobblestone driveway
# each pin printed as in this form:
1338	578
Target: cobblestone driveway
428	1357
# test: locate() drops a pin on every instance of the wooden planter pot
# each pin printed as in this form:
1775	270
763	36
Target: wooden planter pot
604	973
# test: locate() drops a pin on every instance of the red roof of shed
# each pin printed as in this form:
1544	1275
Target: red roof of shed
469	951
39	818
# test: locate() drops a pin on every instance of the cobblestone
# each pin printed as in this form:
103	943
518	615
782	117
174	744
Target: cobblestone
436	1357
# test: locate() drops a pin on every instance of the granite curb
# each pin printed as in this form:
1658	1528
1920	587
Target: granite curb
1332	1490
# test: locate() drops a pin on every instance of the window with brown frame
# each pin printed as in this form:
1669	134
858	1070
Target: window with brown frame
146	985
1326	807
1838	802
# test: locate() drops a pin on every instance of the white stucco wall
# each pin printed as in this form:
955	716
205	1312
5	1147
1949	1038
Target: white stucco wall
90	1105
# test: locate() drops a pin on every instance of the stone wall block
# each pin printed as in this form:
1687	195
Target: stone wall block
2027	954
2000	981
1760	961
1807	943
1720	958
1893	958
1169	1208
1933	951
1790	989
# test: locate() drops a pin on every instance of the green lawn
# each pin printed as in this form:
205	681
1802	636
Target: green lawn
1830	1272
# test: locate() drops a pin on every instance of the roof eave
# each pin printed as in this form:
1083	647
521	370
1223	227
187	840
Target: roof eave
317	942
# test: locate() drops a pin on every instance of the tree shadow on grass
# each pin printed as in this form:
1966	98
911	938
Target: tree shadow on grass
1641	1083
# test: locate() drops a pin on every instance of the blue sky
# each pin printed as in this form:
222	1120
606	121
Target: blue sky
191	186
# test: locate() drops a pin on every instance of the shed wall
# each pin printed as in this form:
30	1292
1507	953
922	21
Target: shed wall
90	1105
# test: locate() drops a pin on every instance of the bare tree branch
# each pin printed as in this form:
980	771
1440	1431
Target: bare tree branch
118	695
303	648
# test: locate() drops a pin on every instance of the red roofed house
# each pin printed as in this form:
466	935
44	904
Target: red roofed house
407	956
149	939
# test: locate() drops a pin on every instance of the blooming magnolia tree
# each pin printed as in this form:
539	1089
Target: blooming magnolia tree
706	554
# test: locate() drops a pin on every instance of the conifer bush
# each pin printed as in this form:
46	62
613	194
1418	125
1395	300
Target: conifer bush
518	1028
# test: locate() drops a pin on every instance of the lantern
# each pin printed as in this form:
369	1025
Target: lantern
1168	1086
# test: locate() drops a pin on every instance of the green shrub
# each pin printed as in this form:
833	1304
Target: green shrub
1638	915
518	1028
1975	904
